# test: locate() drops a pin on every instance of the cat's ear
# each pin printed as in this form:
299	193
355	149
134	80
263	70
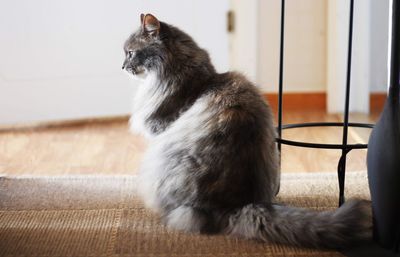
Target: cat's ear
141	18
150	25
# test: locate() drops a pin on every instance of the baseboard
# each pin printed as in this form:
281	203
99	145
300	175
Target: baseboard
62	123
310	101
317	101
377	101
298	101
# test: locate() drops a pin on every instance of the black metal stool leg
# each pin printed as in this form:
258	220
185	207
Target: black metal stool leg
344	147
341	176
342	161
282	45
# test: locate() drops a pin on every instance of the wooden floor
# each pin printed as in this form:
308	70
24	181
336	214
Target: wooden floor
106	147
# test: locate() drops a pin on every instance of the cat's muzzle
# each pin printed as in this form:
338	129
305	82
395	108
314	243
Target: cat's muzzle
134	70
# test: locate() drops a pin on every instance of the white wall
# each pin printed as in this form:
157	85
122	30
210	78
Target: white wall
369	57
62	59
305	45
312	61
379	45
255	43
338	30
244	40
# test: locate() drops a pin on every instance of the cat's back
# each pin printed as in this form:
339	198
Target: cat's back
232	93
231	107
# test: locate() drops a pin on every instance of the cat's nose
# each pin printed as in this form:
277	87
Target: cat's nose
124	64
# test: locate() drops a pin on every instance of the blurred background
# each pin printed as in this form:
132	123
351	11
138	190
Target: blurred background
64	100
61	60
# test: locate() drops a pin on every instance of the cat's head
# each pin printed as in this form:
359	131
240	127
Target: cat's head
143	49
157	46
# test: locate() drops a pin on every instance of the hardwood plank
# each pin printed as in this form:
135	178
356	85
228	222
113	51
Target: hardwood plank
107	147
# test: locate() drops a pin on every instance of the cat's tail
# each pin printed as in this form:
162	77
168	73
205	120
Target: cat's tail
346	226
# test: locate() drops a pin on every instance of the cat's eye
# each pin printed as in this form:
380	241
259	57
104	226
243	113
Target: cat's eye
130	54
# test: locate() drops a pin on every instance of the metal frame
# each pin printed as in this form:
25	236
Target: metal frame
345	147
394	79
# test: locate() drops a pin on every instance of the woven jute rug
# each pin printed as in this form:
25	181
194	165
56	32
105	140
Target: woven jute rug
100	216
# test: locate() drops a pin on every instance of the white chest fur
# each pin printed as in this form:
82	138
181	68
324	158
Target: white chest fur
146	100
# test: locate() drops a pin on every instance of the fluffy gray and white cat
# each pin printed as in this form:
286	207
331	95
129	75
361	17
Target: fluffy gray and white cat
212	164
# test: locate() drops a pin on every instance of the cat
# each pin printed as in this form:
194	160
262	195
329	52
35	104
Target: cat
212	165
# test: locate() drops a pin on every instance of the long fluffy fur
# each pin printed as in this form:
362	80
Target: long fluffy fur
212	164
348	225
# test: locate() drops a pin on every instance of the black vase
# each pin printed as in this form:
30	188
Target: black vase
383	158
